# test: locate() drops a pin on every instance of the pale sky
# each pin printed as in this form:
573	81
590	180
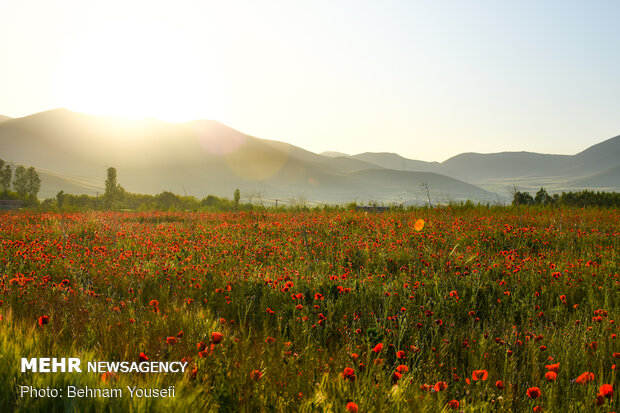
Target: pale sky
425	79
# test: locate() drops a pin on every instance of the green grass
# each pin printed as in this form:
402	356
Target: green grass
523	278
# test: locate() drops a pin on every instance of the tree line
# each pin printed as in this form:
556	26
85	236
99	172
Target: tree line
116	198
25	183
581	199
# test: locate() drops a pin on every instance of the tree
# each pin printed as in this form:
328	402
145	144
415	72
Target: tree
542	197
522	198
20	182
60	198
113	190
237	197
33	183
167	201
26	183
5	177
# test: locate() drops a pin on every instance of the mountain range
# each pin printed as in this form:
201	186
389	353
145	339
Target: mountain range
72	151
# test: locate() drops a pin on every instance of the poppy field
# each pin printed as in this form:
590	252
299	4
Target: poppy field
430	310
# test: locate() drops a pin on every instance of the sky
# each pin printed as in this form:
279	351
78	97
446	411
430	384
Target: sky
425	79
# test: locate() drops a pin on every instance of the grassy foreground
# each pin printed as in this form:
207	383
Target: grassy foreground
476	310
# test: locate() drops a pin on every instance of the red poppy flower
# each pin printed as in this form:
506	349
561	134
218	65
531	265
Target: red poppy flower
533	392
256	375
348	374
440	385
154	303
352	407
551	375
216	337
172	340
585	378
143	357
479	375
44	319
454	404
396	376
402	368
378	348
499	384
108	377
606	390
400	354
553	367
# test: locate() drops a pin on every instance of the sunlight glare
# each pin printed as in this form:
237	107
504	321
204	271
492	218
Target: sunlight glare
135	70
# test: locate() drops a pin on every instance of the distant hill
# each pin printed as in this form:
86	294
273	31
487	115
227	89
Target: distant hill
595	168
597	158
606	181
3	118
73	151
394	161
333	154
477	167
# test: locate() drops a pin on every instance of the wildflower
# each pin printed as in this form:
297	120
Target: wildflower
402	368
108	377
255	375
454	404
172	340
396	376
585	378
551	375
533	392
352	407
440	385
143	357
378	348
553	367
44	319
216	337
479	375
348	374
606	390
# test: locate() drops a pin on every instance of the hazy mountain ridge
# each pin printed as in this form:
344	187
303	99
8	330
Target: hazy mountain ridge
199	158
334	154
594	168
202	157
